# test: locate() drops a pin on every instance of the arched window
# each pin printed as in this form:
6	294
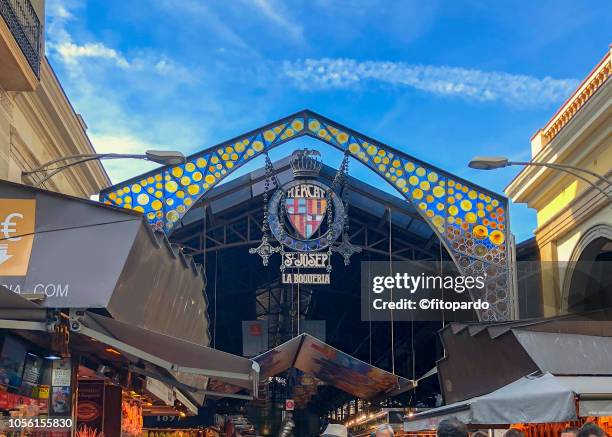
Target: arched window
588	284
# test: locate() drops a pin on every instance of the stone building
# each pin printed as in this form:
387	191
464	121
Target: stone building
574	219
37	121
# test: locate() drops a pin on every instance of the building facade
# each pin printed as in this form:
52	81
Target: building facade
574	219
37	121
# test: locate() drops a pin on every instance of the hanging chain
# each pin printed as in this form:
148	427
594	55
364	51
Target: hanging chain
345	248
341	173
339	182
330	230
281	249
269	173
345	194
265	249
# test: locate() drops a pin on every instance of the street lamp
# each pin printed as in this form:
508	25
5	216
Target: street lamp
165	157
494	162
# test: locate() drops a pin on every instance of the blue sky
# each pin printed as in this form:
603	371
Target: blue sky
442	81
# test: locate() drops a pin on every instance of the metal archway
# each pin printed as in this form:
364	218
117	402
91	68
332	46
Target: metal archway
472	222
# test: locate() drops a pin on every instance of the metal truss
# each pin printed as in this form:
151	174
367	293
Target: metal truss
244	229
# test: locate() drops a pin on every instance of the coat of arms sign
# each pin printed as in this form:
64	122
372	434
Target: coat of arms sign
306	216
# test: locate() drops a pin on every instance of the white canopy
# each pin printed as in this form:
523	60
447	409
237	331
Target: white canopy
531	399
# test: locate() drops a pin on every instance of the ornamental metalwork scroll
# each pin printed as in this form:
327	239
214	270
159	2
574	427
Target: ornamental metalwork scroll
471	221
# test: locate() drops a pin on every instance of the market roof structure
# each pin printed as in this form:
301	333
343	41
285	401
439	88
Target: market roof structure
471	221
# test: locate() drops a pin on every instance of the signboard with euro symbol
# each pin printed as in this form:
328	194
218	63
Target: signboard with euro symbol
17	221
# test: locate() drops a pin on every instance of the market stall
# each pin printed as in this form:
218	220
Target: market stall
35	384
363	425
35	370
541	375
148	347
121	372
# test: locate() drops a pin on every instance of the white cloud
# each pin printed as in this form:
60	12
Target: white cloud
61	43
71	53
478	85
278	15
60	11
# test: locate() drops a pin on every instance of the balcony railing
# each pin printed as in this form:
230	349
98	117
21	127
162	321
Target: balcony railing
26	28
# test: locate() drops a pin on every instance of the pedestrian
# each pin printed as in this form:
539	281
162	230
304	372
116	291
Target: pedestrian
590	429
570	431
513	432
452	427
335	430
384	430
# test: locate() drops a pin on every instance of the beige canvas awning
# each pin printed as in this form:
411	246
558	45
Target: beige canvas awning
170	353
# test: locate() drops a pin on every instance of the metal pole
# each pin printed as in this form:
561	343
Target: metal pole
562	167
81	156
72	164
573	171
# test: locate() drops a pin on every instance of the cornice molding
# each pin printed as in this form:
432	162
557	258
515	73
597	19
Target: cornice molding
596	78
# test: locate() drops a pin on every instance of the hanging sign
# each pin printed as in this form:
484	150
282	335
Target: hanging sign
254	337
90	405
32	370
61	373
17	219
307	217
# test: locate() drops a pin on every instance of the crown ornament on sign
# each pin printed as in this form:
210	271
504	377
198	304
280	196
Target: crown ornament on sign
306	163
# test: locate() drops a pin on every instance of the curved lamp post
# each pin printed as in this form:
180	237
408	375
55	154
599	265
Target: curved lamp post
165	157
494	162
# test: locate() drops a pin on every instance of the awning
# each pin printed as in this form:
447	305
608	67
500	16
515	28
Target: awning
575	344
170	353
14	308
532	399
141	346
590	354
82	254
331	366
594	394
